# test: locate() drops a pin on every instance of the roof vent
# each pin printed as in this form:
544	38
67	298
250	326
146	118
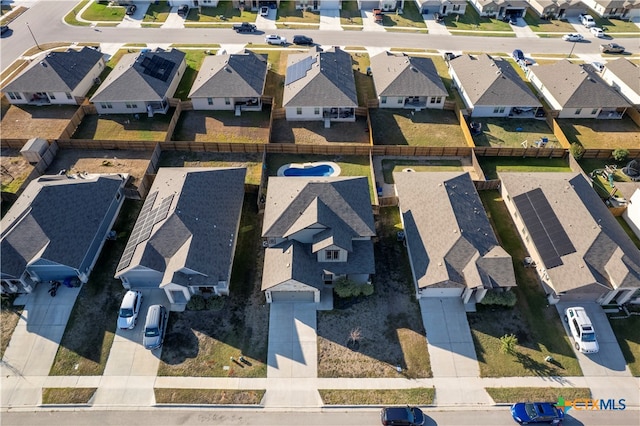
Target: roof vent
44	64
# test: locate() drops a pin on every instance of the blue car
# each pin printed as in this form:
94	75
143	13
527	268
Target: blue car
537	412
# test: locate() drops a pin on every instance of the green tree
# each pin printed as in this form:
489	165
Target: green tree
508	344
620	154
576	150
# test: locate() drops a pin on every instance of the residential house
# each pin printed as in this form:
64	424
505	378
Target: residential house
56	78
56	229
141	82
383	5
453	250
403	81
557	9
626	9
319	4
500	8
491	87
320	85
624	76
442	7
185	237
316	231
230	82
631	192
581	252
576	91
252	4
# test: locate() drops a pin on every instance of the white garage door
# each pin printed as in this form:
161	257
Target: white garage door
292	296
441	292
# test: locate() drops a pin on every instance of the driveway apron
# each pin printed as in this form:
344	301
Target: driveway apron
368	24
267	22
330	20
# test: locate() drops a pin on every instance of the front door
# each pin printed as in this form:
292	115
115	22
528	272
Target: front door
444	9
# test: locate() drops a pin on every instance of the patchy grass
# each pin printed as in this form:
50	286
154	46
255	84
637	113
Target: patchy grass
274	85
253	162
103	12
626	331
492	165
31	121
502	132
364	83
471	20
443	72
350	14
15	170
410	17
391	166
67	395
603	134
124	127
87	339
208	396
194	60
539	25
201	343
535	323
314	132
223	126
414	396
389	320
430	127
513	395
287	12
9	317
157	12
224	12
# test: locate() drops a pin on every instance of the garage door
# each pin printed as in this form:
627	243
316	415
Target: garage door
441	292
292	296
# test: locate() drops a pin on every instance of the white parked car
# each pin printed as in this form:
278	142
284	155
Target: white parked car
275	39
581	329
598	32
129	310
573	37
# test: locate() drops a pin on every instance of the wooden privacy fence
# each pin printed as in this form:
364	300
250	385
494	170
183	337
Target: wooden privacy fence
485	185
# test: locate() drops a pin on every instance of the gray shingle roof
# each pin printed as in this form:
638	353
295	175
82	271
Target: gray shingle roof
132	79
576	86
626	71
328	83
55	72
604	253
56	219
450	239
395	74
199	231
236	75
492	81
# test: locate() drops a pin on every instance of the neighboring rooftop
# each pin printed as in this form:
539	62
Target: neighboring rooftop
396	74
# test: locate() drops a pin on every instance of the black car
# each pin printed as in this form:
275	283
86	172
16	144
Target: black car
302	40
402	416
4	29
183	10
131	9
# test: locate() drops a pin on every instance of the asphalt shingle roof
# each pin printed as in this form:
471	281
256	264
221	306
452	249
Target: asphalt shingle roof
450	239
626	71
577	86
55	71
605	256
492	81
135	79
396	74
328	83
232	75
56	219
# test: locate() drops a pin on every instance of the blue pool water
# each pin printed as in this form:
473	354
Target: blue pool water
320	170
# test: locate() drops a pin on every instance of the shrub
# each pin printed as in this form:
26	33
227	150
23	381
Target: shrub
347	288
197	303
215	303
620	154
576	150
500	298
508	344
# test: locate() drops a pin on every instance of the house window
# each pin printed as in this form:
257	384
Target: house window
332	254
400	100
227	101
327	278
456	7
498	110
594	111
316	110
299	111
436	99
69	95
383	99
578	111
210	101
14	95
106	105
131	105
51	95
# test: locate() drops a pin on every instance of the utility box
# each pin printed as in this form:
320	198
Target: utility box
34	149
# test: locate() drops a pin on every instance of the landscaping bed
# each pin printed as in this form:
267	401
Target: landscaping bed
208	396
423	128
413	396
389	321
223	126
513	395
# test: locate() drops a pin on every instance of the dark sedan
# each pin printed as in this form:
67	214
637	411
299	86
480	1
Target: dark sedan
131	9
537	412
302	40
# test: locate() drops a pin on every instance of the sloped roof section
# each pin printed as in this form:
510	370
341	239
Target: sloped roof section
143	76
55	71
231	75
395	74
626	71
577	86
492	81
327	82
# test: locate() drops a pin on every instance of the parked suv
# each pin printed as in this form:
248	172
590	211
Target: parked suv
581	329
402	416
587	20
129	309
154	327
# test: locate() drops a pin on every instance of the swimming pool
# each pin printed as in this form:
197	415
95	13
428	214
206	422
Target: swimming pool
316	169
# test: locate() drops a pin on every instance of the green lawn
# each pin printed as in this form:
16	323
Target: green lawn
274	86
194	60
430	127
224	12
443	73
492	165
253	162
414	396
604	134
629	231
70	18
103	12
503	132
350	14
124	127
471	20
539	25
391	166
364	83
626	331
536	324
410	17
513	395
287	12
615	25
157	12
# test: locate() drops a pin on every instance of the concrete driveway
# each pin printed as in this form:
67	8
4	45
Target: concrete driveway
609	360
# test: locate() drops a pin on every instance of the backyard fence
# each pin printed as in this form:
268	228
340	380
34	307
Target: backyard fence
634	115
476	166
486	185
73	123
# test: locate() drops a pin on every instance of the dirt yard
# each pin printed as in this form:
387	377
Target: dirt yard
389	320
15	169
134	163
26	122
314	133
223	126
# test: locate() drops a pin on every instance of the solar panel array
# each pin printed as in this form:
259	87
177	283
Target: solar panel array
146	220
543	225
298	70
157	67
